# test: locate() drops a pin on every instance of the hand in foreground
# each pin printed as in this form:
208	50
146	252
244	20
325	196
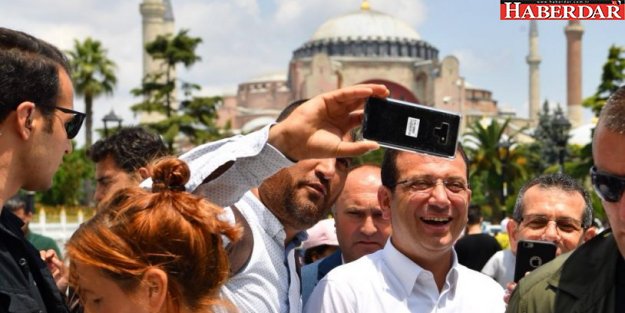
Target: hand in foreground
316	129
57	268
509	289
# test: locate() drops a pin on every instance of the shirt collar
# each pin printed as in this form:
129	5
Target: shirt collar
270	223
406	271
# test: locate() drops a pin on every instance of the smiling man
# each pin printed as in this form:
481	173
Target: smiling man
426	198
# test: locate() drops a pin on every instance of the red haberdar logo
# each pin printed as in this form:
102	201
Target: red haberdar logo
562	10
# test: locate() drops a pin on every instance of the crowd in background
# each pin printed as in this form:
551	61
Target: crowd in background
241	224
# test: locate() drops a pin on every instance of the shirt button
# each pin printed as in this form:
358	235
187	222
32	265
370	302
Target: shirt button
22	262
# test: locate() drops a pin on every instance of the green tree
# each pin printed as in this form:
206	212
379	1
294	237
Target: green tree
551	137
496	165
612	77
68	182
93	74
192	116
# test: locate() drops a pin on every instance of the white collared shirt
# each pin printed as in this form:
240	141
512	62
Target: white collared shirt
267	283
388	281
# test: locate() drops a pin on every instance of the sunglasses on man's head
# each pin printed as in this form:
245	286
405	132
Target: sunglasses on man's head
609	187
72	126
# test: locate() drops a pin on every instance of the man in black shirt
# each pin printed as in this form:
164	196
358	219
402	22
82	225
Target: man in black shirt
37	123
476	247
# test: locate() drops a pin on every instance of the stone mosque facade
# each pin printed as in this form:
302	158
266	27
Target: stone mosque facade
366	46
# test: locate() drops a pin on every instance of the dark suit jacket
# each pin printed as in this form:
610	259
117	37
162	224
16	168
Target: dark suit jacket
314	272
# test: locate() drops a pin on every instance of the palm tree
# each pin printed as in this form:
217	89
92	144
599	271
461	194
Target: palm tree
93	74
497	163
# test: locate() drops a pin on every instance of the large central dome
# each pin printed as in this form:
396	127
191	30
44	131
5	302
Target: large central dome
365	24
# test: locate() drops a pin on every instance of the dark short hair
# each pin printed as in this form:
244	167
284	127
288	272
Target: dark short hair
131	148
289	109
475	214
14	203
29	71
612	115
389	166
560	181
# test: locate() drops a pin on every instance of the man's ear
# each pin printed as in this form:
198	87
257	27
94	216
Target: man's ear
144	173
24	113
589	233
155	289
384	199
512	228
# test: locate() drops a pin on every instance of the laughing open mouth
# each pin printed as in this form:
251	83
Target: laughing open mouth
436	220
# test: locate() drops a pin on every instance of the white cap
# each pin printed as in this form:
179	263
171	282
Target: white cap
322	233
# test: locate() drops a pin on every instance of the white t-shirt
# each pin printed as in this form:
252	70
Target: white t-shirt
501	267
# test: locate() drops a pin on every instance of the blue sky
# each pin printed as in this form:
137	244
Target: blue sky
248	38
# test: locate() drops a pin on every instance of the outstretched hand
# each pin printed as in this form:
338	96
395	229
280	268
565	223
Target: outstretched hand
318	127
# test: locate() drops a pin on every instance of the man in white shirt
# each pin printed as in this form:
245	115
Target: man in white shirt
290	198
427	198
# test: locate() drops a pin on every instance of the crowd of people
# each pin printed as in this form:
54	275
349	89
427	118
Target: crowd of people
221	228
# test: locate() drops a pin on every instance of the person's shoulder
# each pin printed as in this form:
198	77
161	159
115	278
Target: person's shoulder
358	270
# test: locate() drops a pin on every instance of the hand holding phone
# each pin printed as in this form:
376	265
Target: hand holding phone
409	126
531	254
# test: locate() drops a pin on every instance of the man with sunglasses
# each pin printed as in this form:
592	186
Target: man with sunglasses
426	198
36	125
551	207
591	278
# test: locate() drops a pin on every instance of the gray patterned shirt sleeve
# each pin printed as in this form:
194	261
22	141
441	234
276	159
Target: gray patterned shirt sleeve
252	158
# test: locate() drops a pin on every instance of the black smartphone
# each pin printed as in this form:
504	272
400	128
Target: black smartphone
531	254
409	126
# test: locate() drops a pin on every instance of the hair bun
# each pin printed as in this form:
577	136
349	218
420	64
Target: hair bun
169	173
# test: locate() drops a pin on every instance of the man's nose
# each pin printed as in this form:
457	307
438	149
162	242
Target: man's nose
368	227
326	168
551	232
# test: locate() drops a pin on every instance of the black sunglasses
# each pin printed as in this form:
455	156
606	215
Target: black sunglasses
72	126
609	187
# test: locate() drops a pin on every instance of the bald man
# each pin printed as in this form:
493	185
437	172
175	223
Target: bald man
360	227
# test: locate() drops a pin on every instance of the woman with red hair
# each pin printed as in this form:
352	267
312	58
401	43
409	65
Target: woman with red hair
159	251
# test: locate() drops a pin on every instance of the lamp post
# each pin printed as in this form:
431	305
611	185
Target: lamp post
504	166
113	118
561	129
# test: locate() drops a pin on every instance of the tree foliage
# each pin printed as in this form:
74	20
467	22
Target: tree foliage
497	165
551	136
612	77
193	116
93	74
69	181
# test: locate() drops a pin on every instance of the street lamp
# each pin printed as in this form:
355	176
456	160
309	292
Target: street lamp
113	118
504	165
561	129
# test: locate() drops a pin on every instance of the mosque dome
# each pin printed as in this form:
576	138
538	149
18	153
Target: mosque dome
367	33
365	24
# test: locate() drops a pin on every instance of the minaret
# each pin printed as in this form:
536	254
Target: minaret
533	60
152	12
574	31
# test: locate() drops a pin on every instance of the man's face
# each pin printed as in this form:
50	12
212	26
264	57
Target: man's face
302	194
111	178
608	151
427	221
561	210
361	227
48	146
